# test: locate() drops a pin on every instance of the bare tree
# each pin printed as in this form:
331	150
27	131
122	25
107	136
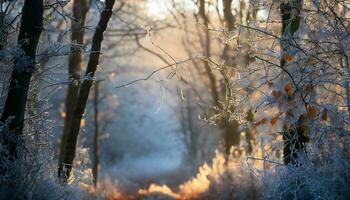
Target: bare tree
235	58
231	127
207	53
65	167
96	134
80	9
24	65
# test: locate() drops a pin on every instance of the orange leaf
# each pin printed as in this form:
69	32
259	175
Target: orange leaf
311	111
288	88
274	120
288	57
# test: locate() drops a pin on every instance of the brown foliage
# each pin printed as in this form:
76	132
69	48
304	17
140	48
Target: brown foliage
288	88
311	112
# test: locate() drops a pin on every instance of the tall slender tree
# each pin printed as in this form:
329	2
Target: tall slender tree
230	25
231	127
80	9
66	165
207	52
96	134
24	65
235	58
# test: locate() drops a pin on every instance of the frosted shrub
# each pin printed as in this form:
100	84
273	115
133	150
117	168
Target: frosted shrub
33	173
323	174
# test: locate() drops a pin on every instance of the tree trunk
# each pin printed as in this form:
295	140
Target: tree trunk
80	9
96	134
230	25
83	94
24	65
211	76
3	29
231	127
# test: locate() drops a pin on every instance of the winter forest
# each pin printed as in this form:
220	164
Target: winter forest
174	99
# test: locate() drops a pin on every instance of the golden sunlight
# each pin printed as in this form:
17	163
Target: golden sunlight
158	9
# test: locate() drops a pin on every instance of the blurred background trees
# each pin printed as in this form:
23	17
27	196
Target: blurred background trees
235	99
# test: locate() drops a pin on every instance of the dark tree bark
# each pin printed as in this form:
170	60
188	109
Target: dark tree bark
211	76
230	25
293	137
96	134
3	29
234	58
24	65
231	135
229	17
231	127
80	9
190	132
65	167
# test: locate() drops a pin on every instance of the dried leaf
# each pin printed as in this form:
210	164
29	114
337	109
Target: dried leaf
288	57
274	120
311	112
288	88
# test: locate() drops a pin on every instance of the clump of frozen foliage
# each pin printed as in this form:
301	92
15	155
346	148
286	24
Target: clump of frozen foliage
32	174
310	94
323	174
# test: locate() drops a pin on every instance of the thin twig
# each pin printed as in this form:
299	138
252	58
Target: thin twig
153	72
